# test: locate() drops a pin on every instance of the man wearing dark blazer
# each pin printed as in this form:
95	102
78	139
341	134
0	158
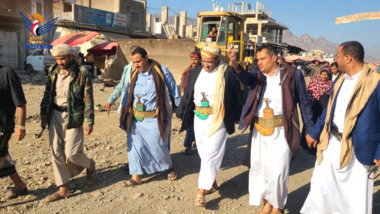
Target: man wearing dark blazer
347	137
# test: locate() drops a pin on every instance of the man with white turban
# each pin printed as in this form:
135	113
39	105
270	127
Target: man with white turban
67	103
210	104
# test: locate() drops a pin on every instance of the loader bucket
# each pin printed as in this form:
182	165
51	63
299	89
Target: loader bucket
171	53
113	76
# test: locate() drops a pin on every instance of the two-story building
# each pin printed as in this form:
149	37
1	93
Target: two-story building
260	26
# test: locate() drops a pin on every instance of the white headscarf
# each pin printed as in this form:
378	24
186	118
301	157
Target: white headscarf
63	50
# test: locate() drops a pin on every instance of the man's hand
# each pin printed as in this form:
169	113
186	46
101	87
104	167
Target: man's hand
311	142
88	130
377	162
232	57
20	128
43	120
20	134
179	119
108	105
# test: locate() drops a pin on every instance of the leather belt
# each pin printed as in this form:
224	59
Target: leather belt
276	121
204	110
144	114
60	108
335	132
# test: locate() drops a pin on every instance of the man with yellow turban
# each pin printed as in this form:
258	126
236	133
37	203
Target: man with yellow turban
210	104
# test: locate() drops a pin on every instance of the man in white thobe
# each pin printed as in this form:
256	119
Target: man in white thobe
210	104
271	107
349	139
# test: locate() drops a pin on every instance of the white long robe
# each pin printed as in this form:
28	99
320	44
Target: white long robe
334	190
270	155
210	149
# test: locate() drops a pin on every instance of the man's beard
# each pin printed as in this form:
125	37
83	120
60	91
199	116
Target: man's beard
68	65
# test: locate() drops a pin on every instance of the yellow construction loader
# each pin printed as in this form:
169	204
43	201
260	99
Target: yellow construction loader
230	33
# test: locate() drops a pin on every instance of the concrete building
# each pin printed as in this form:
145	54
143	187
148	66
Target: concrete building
176	25
260	26
316	53
156	26
164	15
134	10
182	24
191	32
148	22
129	14
13	35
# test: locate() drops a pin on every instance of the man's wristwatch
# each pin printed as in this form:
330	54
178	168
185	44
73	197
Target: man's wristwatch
20	127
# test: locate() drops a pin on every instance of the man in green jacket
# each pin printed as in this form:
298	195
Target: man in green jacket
67	103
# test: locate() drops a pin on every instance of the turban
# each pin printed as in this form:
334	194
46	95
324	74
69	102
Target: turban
195	54
63	50
210	52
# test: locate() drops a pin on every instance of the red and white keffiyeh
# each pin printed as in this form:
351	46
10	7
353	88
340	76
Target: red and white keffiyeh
317	87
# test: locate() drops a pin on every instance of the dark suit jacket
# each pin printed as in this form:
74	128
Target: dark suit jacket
366	134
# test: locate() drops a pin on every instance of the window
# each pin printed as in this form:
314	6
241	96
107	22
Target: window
222	32
37	7
67	7
207	25
231	31
135	17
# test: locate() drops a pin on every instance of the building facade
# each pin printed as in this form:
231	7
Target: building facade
260	25
130	14
13	35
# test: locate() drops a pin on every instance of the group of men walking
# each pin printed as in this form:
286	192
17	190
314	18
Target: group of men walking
346	135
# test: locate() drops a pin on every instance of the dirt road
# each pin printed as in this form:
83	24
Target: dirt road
107	146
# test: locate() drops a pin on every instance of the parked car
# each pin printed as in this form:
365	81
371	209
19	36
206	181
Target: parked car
39	61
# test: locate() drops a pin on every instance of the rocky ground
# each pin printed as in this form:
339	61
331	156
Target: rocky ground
107	146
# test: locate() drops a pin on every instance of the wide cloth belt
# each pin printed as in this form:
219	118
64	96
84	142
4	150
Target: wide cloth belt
204	110
144	114
59	108
277	121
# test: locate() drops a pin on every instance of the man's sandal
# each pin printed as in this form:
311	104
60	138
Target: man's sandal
132	183
172	174
54	197
200	200
14	193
